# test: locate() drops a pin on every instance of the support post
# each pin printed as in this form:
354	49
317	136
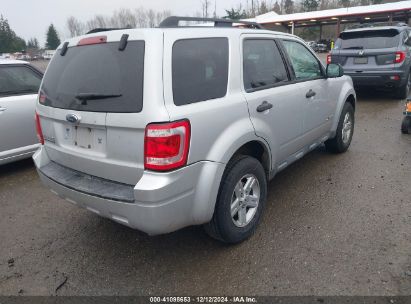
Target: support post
390	19
338	28
321	31
292	28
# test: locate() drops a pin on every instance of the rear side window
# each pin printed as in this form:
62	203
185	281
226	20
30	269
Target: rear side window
371	39
18	80
262	64
112	79
199	70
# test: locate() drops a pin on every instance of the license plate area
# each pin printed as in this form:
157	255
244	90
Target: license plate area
360	60
84	138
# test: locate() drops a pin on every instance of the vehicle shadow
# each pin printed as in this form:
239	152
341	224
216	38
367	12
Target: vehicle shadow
16	167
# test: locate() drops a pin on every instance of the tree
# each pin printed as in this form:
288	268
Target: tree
52	38
9	41
33	43
236	14
310	5
344	3
289	6
277	8
75	27
263	8
205	4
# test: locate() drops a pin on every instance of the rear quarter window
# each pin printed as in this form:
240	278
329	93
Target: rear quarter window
199	70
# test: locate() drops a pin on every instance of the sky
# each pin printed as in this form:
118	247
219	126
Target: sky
30	18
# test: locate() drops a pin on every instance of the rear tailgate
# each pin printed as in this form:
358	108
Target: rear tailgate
91	108
366	50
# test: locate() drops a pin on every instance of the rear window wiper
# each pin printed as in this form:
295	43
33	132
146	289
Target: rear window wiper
95	96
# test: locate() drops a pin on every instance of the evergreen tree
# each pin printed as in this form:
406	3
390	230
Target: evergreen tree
236	14
52	38
9	41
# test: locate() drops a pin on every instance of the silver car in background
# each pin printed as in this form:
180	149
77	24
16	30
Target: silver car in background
19	85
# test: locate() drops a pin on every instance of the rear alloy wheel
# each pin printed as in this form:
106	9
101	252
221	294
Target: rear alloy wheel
344	133
404	90
240	201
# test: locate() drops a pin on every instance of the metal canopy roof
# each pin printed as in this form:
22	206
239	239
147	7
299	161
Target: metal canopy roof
334	14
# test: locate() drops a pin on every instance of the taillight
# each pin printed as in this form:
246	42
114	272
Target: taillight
92	40
42	98
328	58
166	145
399	57
39	130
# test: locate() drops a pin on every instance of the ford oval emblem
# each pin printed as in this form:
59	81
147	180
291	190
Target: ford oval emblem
73	118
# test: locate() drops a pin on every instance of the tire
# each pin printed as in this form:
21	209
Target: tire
341	141
402	91
406	125
237	228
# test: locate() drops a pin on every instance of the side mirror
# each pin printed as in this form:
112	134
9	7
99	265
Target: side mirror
334	70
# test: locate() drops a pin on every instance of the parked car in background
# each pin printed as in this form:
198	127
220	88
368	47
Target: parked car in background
376	56
313	45
48	54
19	85
185	126
321	48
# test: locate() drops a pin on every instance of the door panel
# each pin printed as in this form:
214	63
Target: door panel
17	122
316	107
267	82
19	85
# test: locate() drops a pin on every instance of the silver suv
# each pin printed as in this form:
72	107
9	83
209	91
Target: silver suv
163	128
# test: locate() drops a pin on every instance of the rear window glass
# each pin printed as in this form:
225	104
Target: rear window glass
97	78
200	70
376	39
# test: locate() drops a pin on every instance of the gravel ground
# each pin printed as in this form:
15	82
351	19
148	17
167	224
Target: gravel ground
333	225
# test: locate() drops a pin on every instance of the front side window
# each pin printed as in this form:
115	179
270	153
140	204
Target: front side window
263	65
304	63
199	70
17	80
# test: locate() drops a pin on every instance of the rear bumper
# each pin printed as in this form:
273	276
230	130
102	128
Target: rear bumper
377	78
159	203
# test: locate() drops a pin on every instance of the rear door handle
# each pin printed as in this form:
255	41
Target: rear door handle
2	109
264	106
310	94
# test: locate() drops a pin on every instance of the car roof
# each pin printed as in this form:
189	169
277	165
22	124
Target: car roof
11	61
115	34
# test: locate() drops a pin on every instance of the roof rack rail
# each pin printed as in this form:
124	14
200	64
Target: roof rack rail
173	21
101	29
